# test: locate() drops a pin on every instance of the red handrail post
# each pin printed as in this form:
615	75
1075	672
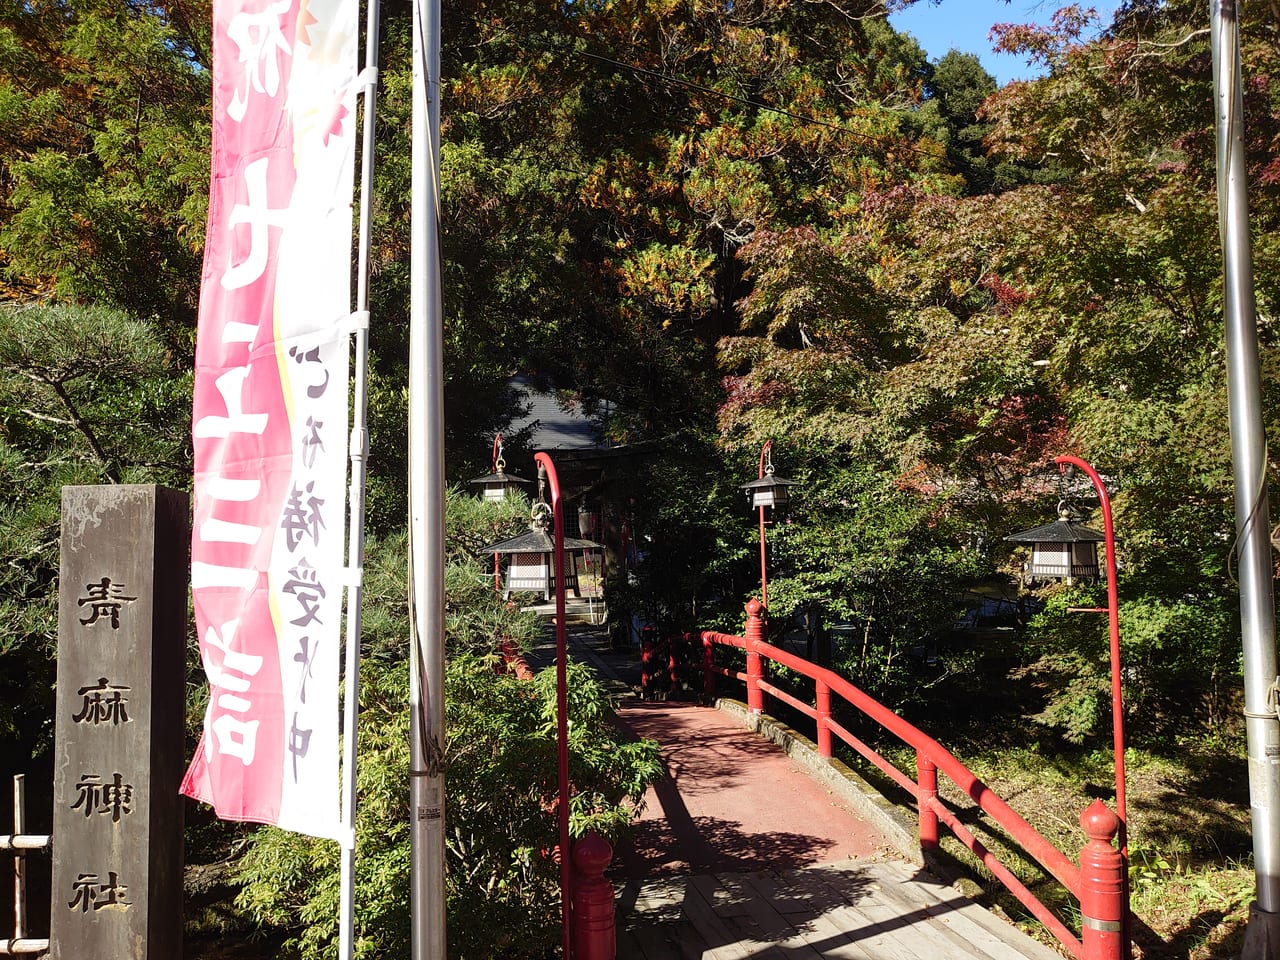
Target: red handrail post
926	796
1103	905
675	651
822	705
594	934
648	654
754	635
708	670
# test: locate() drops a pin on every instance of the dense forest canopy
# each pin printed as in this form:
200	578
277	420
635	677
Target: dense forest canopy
765	219
734	222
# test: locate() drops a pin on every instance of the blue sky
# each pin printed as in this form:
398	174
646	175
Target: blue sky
964	24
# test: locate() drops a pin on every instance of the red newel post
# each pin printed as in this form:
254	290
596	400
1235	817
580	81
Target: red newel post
708	670
822	703
594	937
648	667
1102	887
927	793
755	668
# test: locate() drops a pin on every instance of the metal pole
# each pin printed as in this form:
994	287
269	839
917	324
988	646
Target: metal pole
765	451
358	451
19	858
426	499
562	709
1248	447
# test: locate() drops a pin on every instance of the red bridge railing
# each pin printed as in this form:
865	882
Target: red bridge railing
1097	883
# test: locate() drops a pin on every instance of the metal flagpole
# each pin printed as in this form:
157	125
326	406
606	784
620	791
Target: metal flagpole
426	498
359	449
1249	457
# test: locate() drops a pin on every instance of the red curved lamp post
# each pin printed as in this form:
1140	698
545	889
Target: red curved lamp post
766	491
497	560
1113	612
562	702
1117	699
764	579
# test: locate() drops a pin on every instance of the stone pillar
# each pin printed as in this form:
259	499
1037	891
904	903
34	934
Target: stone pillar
119	724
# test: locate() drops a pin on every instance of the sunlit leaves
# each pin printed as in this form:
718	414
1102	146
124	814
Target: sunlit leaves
106	165
675	279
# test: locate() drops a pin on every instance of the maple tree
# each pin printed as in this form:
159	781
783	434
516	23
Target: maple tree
964	340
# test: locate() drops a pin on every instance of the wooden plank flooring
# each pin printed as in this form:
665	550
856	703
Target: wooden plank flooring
849	910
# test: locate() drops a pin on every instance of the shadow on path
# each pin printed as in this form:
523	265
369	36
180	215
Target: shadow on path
730	801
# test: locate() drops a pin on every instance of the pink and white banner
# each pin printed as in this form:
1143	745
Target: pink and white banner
270	422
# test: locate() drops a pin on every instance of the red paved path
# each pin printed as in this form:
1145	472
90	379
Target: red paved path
731	801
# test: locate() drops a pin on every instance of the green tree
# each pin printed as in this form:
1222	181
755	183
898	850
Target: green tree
886	565
501	752
86	396
959	343
106	158
958	86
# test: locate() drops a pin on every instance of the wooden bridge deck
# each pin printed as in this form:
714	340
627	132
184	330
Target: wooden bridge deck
741	855
851	910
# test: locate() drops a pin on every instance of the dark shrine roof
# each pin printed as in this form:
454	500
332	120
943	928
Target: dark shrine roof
538	540
1060	531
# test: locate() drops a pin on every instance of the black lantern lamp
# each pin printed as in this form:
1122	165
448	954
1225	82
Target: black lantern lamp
1062	550
495	486
531	568
769	490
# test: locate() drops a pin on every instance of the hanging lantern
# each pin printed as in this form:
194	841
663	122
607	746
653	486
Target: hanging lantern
496	486
1062	550
770	490
531	569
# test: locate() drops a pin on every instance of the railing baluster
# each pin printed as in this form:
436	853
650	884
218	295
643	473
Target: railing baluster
708	670
594	931
755	666
1102	893
822	702
926	795
1098	883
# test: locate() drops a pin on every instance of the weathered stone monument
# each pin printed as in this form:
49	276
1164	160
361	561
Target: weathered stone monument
117	816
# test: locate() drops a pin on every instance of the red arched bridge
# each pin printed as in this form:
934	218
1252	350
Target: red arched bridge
746	850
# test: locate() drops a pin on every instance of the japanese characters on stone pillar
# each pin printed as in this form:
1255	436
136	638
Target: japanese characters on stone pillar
117	814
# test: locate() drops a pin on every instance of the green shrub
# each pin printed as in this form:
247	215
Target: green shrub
502	883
